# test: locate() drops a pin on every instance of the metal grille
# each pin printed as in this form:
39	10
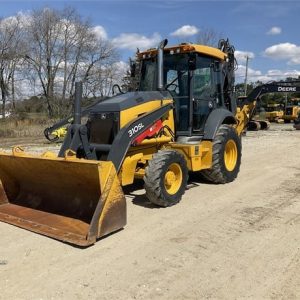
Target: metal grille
103	127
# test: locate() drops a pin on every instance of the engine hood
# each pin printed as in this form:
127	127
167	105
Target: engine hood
127	100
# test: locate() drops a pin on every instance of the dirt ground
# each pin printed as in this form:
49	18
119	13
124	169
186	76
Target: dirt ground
235	241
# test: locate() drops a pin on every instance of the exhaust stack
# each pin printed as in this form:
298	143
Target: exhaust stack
160	64
77	104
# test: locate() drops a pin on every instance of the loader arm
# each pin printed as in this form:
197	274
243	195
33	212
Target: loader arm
247	107
77	140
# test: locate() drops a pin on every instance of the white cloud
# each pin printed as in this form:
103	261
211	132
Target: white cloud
185	30
241	71
270	75
283	73
284	51
294	61
22	18
274	31
100	32
134	40
242	55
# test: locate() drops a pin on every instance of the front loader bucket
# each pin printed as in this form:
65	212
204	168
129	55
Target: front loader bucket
72	200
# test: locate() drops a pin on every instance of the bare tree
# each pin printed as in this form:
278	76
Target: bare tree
103	77
11	52
209	37
100	67
45	50
76	41
64	48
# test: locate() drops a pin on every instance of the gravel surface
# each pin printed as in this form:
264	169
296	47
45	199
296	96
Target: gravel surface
235	241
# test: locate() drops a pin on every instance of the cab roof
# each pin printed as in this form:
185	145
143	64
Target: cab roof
186	48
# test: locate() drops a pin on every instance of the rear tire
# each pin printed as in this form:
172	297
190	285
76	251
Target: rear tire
166	178
227	154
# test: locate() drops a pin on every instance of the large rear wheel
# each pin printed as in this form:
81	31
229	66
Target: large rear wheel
227	154
166	178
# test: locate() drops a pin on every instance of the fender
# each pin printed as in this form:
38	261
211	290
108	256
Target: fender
216	118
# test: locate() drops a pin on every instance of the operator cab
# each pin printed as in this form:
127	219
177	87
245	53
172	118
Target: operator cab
194	81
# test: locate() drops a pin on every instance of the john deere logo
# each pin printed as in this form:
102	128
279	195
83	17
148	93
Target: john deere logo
287	89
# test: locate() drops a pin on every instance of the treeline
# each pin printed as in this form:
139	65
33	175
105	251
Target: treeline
44	52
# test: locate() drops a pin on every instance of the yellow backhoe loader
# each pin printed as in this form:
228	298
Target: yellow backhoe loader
182	118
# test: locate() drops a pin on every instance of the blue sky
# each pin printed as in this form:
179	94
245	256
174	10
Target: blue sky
266	31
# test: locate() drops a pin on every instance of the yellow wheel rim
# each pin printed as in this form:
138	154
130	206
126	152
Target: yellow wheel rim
173	178
230	155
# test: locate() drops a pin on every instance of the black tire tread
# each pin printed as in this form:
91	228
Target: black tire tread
153	173
216	173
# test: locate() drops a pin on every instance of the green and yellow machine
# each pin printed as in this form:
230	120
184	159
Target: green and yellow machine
274	112
291	110
183	118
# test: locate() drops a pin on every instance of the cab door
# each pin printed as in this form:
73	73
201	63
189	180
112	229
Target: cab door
204	92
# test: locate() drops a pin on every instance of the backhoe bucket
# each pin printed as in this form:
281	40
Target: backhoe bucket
69	199
253	126
264	125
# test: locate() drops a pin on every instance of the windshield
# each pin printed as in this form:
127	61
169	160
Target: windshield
193	90
175	73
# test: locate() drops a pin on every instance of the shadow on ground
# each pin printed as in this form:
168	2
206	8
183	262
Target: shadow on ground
136	190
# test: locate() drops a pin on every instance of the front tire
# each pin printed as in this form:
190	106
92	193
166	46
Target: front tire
166	178
227	154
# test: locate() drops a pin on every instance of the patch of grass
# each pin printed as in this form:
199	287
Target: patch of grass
30	127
